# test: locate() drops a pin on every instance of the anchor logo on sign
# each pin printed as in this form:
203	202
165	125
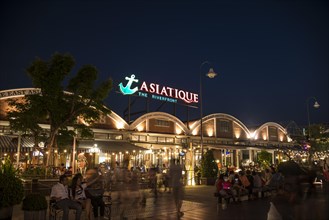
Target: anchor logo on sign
126	90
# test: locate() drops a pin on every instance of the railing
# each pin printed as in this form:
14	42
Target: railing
38	185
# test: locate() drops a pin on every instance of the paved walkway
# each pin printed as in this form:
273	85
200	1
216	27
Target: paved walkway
199	203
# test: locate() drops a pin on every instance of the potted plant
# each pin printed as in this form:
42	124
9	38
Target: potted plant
35	206
209	168
11	189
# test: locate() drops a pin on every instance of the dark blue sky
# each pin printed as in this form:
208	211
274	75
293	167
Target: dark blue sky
271	56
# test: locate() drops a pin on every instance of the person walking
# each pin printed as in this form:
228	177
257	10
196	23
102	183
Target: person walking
175	173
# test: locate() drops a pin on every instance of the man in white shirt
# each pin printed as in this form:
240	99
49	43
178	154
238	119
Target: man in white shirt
59	193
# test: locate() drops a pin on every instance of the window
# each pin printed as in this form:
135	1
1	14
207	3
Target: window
152	139
138	138
162	123
116	137
273	133
5	130
101	136
169	140
178	140
142	138
134	137
224	126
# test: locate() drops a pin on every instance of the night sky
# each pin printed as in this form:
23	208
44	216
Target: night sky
270	56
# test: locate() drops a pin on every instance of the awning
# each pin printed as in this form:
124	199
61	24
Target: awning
10	143
109	146
7	142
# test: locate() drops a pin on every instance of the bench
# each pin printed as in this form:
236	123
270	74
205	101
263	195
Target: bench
265	190
54	210
220	197
228	197
108	204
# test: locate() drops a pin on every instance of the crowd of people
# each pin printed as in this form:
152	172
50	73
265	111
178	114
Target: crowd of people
289	185
85	192
247	182
79	195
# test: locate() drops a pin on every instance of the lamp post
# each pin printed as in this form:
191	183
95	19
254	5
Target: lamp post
316	105
65	156
73	152
211	74
18	149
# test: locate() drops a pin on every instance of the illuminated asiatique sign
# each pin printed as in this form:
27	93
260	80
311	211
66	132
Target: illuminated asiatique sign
157	91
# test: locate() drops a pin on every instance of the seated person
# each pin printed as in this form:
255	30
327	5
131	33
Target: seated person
78	193
275	182
219	187
219	183
257	184
238	187
251	184
227	189
59	193
267	176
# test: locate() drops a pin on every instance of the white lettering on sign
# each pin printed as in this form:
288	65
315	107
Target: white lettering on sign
187	97
18	92
160	91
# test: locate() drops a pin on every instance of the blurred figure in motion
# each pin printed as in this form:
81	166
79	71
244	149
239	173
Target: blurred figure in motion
95	191
166	180
325	171
78	193
290	201
123	181
175	173
152	175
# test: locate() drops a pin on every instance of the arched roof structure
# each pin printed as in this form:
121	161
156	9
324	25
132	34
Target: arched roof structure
120	122
159	115
21	92
162	124
256	133
197	124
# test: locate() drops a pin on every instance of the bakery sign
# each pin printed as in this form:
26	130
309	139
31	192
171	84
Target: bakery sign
156	91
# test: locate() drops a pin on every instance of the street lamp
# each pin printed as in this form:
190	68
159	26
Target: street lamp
211	74
65	156
316	105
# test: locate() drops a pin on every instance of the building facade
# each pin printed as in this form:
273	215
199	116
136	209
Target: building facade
155	138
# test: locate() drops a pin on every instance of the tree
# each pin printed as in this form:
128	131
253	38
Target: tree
59	105
318	140
24	118
209	167
264	158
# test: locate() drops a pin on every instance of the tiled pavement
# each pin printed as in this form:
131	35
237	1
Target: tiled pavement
199	203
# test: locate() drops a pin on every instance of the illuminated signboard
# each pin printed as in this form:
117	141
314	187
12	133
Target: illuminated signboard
156	91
